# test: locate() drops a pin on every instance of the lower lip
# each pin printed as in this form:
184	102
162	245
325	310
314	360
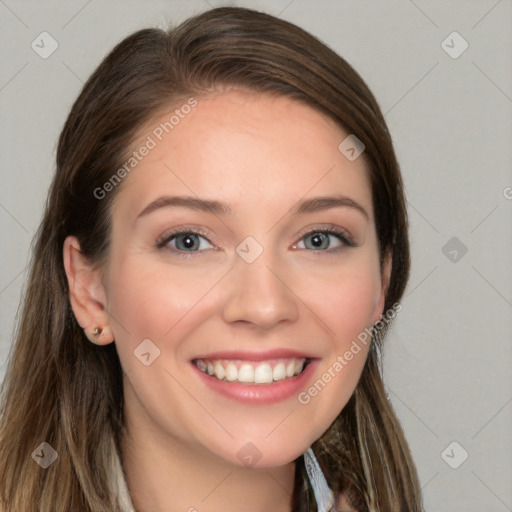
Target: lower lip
259	393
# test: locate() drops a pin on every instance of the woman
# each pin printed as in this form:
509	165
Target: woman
223	248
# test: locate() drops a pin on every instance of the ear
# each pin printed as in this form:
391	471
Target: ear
385	278
86	293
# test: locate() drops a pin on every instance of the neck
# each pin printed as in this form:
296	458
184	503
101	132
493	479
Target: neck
166	474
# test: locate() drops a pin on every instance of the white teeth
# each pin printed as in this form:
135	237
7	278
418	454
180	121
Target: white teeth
279	372
299	365
263	374
252	372
246	373
231	372
220	373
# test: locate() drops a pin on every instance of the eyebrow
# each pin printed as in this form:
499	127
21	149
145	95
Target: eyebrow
315	204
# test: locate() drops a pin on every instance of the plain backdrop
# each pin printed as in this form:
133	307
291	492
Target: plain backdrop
448	359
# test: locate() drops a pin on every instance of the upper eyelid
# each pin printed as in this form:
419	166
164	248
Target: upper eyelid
325	227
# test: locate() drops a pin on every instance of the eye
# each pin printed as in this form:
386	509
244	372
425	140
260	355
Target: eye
183	240
188	241
325	240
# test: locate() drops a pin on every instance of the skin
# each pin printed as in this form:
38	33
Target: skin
261	154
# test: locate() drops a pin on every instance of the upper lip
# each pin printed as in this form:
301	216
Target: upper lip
255	355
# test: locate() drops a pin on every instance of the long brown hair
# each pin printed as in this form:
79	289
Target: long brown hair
60	388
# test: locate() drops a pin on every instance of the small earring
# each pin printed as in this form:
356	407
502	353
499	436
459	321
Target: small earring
97	331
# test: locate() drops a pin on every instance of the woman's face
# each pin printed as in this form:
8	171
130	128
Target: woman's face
250	287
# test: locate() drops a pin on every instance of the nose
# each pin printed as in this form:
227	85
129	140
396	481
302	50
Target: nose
260	293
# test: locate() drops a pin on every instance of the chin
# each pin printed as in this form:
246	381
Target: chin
261	452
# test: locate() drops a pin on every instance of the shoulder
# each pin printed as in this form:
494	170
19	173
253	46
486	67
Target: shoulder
342	505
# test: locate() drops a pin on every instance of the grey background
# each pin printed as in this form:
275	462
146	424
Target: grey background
448	358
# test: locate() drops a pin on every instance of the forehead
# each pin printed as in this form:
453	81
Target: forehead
252	149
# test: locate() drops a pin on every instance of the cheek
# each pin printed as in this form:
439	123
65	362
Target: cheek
345	302
154	300
344	299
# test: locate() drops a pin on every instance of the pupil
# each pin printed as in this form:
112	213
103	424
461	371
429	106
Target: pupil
188	241
318	239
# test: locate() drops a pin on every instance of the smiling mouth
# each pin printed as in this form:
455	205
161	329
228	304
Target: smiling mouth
252	372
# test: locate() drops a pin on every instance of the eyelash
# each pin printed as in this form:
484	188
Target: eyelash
341	234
